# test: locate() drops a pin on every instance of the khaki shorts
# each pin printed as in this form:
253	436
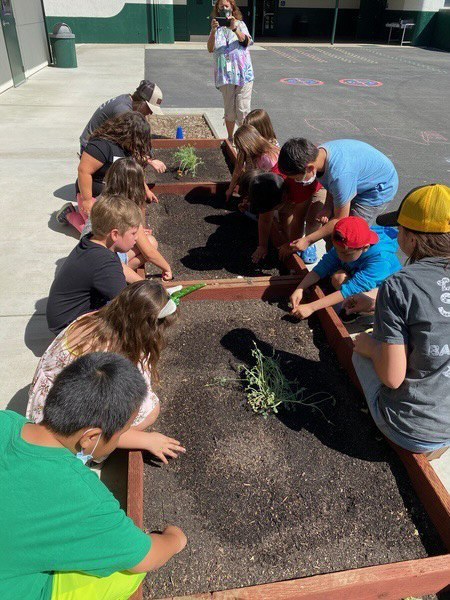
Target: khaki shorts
237	100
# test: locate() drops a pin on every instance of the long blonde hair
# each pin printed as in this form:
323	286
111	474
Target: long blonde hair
128	325
251	145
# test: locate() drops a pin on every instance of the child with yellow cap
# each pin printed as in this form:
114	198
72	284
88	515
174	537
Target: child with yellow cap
404	366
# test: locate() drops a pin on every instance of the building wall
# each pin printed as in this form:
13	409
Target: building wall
31	33
5	72
441	32
140	21
32	38
422	12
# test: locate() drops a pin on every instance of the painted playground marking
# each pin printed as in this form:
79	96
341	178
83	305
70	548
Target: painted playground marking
300	81
361	82
423	138
285	55
336	125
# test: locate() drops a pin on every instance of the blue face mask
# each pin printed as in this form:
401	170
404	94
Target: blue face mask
85	458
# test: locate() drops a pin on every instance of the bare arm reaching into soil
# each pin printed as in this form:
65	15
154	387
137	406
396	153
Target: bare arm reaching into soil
239	167
323	232
164	546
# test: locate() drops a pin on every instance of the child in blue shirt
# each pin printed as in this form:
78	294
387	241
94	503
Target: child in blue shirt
361	258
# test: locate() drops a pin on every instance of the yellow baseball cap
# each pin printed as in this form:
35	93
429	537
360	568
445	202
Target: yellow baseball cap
425	209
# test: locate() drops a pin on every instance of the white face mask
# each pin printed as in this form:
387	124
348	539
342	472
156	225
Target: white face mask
85	458
306	181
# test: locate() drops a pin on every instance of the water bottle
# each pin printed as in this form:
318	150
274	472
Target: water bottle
179	134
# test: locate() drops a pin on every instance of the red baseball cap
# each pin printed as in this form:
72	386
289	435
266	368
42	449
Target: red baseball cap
354	232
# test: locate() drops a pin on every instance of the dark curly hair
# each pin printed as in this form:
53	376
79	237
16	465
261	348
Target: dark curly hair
130	131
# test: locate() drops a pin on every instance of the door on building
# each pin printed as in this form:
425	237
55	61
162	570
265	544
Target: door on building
12	42
266	17
198	16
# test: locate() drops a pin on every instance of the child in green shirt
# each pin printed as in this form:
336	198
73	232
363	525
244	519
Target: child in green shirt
64	535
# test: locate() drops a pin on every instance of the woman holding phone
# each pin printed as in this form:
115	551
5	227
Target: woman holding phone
233	72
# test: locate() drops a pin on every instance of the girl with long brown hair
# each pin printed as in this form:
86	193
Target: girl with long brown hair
127	135
260	120
133	325
253	152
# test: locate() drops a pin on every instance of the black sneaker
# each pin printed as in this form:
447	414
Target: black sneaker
61	215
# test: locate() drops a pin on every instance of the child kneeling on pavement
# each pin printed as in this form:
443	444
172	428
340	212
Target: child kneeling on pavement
361	255
65	536
404	366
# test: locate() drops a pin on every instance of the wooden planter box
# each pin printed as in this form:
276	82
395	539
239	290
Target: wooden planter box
200	187
392	581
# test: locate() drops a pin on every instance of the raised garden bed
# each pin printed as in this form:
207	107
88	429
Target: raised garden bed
202	239
265	500
194	126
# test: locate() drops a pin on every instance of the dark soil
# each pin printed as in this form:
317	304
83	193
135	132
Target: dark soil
270	499
214	167
203	240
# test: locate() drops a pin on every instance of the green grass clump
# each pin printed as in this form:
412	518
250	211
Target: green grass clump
188	160
267	388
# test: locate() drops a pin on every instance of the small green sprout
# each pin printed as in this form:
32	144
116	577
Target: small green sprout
188	160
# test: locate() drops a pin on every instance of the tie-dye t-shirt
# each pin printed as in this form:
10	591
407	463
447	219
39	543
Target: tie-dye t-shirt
227	49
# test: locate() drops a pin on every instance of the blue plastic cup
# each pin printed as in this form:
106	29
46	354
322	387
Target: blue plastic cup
180	134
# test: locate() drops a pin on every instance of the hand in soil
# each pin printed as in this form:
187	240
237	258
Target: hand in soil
178	534
167	275
158	165
162	446
296	298
152	198
299	245
303	311
259	254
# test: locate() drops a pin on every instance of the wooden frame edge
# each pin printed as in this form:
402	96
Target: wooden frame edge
135	497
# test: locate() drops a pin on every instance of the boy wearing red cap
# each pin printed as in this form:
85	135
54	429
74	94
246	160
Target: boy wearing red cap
361	259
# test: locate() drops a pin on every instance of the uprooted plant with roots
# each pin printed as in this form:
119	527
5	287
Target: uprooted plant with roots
267	388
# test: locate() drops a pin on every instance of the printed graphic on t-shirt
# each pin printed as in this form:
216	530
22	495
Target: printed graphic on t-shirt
444	284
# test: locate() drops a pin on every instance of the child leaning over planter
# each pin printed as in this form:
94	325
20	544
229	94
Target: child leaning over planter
126	178
297	210
253	152
64	534
404	366
361	258
133	325
92	274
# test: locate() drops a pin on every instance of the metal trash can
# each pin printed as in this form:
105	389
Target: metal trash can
62	41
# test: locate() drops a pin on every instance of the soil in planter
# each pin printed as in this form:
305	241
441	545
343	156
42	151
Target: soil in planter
203	240
270	499
165	126
213	168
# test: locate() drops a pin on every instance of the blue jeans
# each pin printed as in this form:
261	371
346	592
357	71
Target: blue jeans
371	385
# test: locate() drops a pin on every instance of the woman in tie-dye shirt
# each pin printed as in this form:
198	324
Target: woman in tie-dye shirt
233	70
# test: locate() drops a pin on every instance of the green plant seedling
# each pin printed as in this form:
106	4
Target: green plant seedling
188	160
267	388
